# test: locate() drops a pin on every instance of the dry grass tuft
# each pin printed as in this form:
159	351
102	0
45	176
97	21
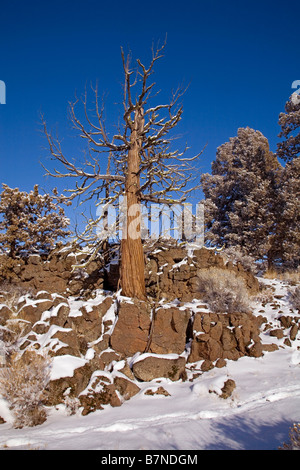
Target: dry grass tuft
292	276
224	291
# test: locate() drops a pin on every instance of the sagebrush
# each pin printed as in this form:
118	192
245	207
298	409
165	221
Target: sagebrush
11	294
11	327
23	385
294	436
224	291
294	298
235	255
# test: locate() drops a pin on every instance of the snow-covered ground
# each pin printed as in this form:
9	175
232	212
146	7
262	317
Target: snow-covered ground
258	415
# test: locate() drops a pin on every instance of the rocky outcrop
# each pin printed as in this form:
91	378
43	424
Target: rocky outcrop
53	273
139	328
149	367
105	390
170	273
225	336
173	273
157	391
169	334
130	334
117	342
228	388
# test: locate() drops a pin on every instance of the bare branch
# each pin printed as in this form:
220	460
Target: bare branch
160	174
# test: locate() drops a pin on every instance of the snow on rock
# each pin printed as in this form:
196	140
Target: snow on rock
141	357
64	366
257	415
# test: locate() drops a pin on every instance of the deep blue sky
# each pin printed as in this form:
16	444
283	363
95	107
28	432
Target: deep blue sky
239	57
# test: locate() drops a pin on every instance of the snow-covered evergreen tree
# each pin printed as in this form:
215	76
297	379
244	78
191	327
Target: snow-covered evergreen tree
287	239
241	194
288	202
30	222
289	122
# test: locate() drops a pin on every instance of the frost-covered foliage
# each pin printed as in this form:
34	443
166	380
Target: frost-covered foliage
265	295
23	377
72	404
287	238
30	222
288	201
22	384
223	291
11	327
294	298
240	194
289	122
236	256
252	202
294	435
11	294
10	337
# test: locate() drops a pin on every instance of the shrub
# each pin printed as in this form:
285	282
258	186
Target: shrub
224	291
294	298
11	327
30	222
23	385
294	435
290	276
71	403
8	268
11	295
9	341
236	256
265	296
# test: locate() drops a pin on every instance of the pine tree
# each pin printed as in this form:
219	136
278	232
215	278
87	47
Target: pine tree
240	194
30	222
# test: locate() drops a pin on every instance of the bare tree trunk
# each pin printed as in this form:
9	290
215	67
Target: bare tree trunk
132	255
144	168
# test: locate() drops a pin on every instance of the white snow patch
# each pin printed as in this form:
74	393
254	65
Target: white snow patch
64	366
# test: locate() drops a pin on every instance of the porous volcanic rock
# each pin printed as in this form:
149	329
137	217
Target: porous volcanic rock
130	334
149	367
170	331
225	336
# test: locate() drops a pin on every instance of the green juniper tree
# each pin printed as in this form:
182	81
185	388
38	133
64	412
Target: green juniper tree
240	195
288	208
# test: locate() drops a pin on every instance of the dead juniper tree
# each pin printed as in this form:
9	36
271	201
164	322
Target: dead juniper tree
139	164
